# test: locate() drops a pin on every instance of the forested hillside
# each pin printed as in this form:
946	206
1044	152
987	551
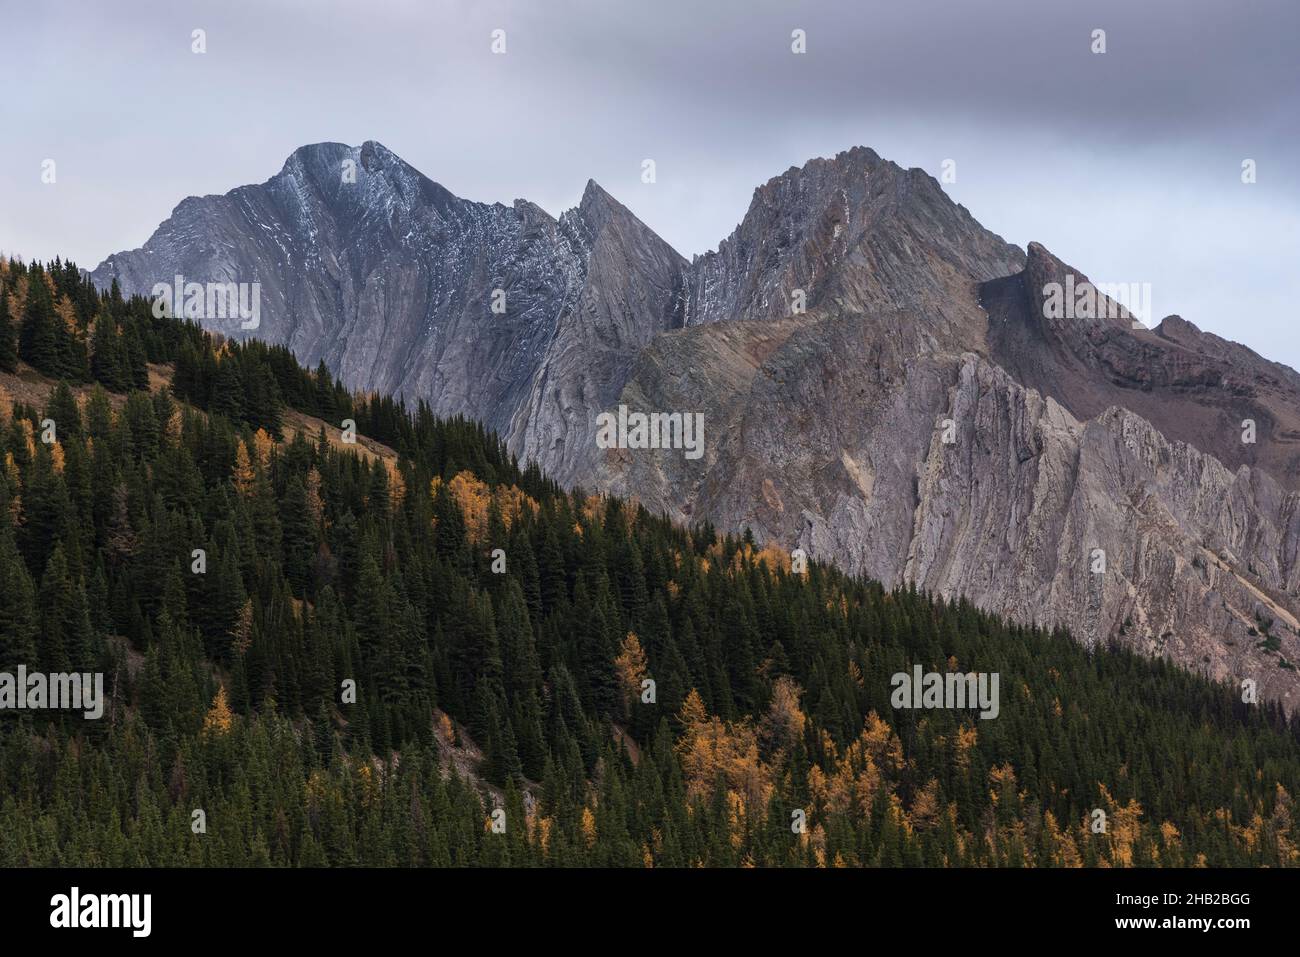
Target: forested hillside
498	632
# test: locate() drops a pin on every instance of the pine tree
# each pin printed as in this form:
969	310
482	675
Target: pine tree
228	392
18	621
8	334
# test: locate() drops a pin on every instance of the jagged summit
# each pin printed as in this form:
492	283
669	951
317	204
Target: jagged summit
597	207
594	194
856	231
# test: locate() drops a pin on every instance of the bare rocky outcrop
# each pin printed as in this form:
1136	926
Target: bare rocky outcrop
1190	384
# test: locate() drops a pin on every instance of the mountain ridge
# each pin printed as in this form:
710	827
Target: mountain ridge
852	314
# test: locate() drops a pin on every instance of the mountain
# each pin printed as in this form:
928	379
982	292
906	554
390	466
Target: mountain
389	280
407	651
882	381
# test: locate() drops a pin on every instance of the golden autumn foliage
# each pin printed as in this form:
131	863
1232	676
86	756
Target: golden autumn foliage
630	668
925	806
243	474
1170	839
881	743
593	508
1003	781
262	446
711	749
851	779
29	436
367	785
1064	850
446	730
776	559
15	499
1123	827
6	406
693	711
967	737
736	818
67	314
218	719
542	832
18	302
475	499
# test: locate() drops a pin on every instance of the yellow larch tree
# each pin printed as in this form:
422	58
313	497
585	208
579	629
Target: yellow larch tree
630	668
243	473
262	446
218	719
67	314
1123	827
15	496
18	302
474	498
710	747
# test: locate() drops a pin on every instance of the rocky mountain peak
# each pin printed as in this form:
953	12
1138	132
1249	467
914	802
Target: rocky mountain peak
852	233
855	306
595	200
595	210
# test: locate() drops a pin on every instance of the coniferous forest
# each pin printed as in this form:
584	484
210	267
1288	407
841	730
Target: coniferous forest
410	650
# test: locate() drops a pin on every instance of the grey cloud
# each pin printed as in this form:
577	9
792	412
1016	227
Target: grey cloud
1125	164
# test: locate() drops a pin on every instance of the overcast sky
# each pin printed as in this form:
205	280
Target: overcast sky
1126	164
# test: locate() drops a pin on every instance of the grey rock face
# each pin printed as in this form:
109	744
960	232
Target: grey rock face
1191	385
856	233
390	281
922	421
829	435
631	290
